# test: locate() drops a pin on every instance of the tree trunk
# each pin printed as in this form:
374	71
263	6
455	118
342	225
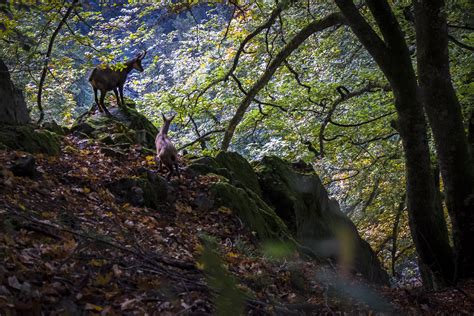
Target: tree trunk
428	231
392	56
13	109
444	114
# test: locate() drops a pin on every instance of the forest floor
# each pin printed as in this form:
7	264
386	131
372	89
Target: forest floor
67	247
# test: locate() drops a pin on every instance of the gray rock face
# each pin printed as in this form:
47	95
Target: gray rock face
317	221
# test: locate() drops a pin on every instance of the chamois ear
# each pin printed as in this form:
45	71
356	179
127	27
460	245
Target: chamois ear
163	116
172	117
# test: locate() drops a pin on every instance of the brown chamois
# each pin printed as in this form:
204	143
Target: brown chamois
166	153
104	78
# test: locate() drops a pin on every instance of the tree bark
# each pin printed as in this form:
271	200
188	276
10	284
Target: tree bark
48	56
444	114
13	109
315	26
395	230
392	56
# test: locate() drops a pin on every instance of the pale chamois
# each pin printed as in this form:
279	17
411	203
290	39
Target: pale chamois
105	78
166	153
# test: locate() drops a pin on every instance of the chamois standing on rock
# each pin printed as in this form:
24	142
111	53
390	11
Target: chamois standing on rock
104	78
166	152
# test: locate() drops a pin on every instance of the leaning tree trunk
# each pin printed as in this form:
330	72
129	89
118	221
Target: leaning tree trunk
13	109
392	55
444	114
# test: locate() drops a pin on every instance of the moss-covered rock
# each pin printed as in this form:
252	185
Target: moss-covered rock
54	127
208	165
125	126
230	165
147	190
252	210
317	221
29	139
242	172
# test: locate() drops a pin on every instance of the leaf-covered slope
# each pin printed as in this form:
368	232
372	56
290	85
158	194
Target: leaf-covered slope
69	245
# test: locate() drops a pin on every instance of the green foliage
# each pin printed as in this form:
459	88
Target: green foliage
190	54
228	298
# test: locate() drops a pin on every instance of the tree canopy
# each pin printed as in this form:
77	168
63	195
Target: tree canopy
296	79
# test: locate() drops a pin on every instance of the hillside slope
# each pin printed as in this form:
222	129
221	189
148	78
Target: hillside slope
97	230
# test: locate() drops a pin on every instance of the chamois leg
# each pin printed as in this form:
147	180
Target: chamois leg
170	168
96	105
117	97
160	165
177	169
121	94
102	103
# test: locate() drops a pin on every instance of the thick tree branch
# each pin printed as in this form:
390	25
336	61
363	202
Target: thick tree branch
363	30
315	26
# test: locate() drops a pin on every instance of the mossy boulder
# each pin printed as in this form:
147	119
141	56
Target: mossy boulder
125	126
242	172
29	139
149	190
208	165
252	210
230	165
54	127
303	203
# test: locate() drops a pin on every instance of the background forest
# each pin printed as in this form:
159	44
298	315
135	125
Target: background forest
295	79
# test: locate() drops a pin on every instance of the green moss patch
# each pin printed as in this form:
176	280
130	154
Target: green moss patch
29	139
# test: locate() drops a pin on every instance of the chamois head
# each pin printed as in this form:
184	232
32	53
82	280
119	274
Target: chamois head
166	123
137	61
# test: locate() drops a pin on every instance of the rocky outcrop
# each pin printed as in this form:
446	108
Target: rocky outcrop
255	213
126	126
316	220
239	191
279	202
